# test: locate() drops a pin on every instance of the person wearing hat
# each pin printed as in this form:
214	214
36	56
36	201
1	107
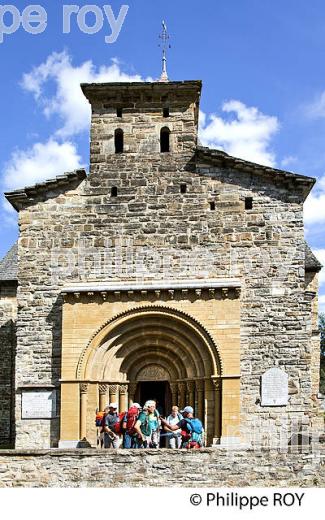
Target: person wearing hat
191	429
131	438
111	417
148	426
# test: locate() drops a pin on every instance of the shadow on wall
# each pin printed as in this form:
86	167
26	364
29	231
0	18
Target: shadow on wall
8	344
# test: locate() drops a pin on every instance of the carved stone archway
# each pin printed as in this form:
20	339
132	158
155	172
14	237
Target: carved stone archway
153	343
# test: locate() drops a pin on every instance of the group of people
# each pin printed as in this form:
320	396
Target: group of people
144	427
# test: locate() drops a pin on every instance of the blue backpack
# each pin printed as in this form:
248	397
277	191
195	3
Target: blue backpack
195	430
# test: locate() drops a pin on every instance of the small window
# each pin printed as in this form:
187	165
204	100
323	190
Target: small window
248	202
183	188
119	112
119	141
166	112
164	140
212	206
113	191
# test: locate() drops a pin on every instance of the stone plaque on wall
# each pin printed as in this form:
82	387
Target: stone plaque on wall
38	405
274	390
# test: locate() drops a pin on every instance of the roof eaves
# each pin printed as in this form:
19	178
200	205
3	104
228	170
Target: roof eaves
238	163
17	198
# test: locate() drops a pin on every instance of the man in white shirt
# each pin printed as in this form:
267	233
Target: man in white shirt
175	438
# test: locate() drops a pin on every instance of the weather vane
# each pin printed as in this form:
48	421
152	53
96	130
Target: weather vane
164	36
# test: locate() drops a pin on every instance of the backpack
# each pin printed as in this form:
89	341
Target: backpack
195	430
118	426
131	419
145	424
99	419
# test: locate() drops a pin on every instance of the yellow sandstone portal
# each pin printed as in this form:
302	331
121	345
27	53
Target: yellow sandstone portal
182	348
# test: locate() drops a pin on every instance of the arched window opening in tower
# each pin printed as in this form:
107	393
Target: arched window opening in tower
119	141
164	140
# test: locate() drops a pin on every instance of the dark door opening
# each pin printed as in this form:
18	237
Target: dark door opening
158	391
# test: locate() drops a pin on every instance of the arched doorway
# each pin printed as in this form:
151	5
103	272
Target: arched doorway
153	382
151	352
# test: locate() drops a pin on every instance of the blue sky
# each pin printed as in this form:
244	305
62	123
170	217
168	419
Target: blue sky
263	97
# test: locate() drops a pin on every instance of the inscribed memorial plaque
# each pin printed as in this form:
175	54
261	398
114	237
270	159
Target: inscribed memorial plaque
274	388
38	405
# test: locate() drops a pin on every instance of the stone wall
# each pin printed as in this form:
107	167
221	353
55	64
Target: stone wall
160	468
8	313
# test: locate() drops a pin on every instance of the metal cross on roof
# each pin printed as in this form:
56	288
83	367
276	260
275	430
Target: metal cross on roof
164	36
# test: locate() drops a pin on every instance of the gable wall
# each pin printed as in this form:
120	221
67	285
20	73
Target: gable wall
159	233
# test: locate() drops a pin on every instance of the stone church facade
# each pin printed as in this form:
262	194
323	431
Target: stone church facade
171	271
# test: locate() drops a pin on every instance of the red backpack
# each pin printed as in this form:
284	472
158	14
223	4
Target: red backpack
118	426
131	419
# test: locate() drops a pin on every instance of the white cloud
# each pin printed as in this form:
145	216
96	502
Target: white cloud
314	207
316	109
42	161
288	160
245	132
68	101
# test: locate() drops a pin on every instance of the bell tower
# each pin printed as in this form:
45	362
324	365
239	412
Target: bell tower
149	119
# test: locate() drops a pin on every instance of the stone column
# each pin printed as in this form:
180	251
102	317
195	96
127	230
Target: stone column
103	397
173	389
208	411
181	394
113	393
200	400
132	390
83	409
123	398
217	384
191	393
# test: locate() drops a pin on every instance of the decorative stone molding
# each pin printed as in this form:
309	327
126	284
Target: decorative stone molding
163	285
153	373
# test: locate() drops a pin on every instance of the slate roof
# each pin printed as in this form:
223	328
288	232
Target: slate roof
9	265
311	262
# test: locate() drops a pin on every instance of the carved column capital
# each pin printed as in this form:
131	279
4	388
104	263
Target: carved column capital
200	385
190	386
103	389
173	387
83	388
216	384
113	389
132	388
124	389
182	386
